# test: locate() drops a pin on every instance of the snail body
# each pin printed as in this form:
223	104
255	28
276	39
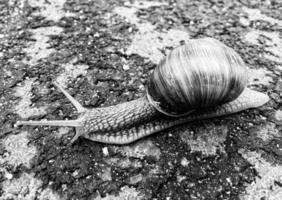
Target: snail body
199	80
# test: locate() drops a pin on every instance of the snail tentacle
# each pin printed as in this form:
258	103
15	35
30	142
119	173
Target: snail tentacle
78	133
74	102
71	123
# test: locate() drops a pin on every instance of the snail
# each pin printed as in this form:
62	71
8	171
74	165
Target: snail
202	79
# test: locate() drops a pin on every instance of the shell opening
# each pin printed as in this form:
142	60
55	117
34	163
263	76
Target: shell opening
157	106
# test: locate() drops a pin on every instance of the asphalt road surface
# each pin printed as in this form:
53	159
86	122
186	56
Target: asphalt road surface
102	53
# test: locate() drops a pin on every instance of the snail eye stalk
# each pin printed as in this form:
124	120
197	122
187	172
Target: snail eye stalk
74	102
70	123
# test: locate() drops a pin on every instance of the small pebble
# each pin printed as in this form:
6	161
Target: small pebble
117	77
125	67
278	115
75	173
9	176
135	179
64	187
184	162
105	151
180	178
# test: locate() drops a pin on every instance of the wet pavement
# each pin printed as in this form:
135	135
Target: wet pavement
102	52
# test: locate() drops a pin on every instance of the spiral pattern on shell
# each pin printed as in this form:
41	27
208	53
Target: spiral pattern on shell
202	73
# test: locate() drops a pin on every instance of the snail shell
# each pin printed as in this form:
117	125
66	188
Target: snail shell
202	73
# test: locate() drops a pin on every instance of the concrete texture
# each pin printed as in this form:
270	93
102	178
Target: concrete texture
102	52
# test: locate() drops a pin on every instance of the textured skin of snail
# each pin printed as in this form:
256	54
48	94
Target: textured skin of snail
127	122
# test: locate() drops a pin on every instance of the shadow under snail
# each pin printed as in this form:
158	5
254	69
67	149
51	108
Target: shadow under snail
201	79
